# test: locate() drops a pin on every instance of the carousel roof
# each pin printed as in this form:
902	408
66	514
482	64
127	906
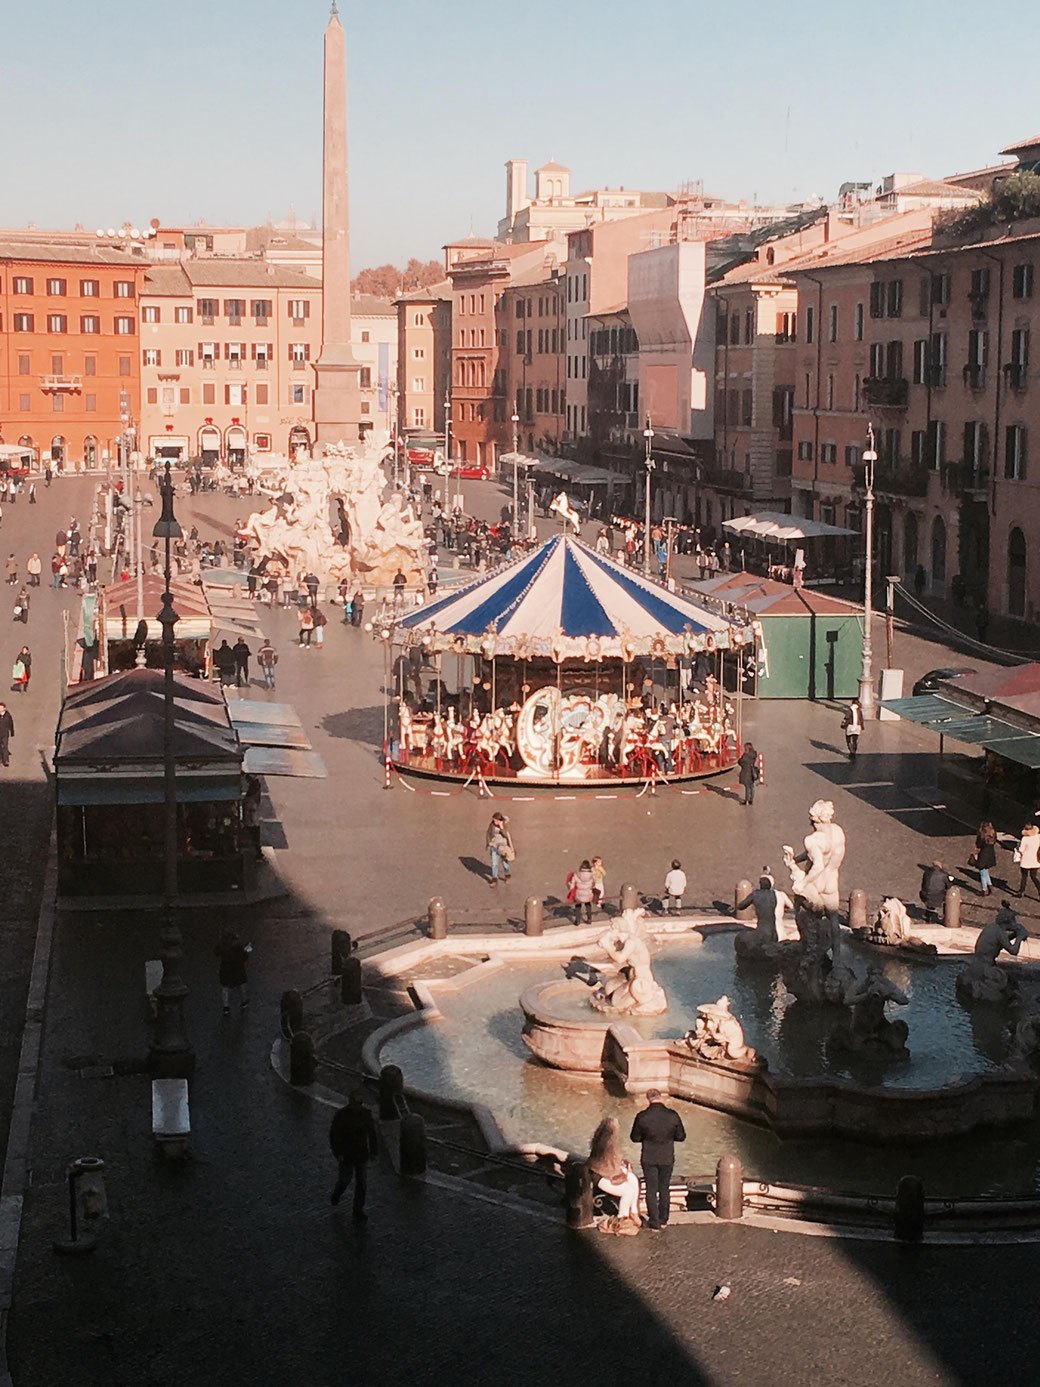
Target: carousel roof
565	592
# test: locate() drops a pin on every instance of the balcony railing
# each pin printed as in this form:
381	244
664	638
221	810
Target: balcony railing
891	392
935	376
61	383
967	478
902	478
1015	371
974	376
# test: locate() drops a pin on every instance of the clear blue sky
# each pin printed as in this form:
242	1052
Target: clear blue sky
212	108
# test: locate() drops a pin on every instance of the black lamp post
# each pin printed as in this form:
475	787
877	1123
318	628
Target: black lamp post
171	1055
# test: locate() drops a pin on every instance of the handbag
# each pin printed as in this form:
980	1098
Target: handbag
507	852
1016	856
18	672
572	887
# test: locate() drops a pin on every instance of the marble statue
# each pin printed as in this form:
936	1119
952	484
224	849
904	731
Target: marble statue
868	1027
981	980
891	928
718	1035
632	989
1025	1034
374	538
815	973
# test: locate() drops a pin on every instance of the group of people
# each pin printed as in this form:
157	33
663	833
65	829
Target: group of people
1025	855
656	1129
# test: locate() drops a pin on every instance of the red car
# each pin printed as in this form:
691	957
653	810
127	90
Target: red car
474	472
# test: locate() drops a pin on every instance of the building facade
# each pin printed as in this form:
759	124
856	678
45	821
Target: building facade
531	321
424	357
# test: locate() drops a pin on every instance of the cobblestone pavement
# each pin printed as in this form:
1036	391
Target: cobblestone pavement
233	1267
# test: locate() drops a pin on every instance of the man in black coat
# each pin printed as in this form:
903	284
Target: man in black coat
242	654
657	1129
934	882
6	733
352	1137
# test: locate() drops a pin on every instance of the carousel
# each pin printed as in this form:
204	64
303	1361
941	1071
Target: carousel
561	666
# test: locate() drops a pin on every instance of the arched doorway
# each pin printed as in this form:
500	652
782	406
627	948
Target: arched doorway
1016	573
299	437
939	551
25	441
910	544
58	451
235	446
90	451
209	446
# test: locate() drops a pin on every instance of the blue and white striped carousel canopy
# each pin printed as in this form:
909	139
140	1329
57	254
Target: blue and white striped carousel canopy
566	601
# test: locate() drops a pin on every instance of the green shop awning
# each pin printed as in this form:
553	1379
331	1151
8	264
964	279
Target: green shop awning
103	790
1024	750
925	708
956	721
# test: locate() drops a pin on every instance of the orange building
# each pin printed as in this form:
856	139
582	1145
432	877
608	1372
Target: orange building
70	381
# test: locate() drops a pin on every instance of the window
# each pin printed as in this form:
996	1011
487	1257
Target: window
299	354
56	288
877	300
152	395
749	326
185	356
124	327
810	323
805	450
124	365
734	329
183	315
57	322
979	283
261	310
25	402
234	310
208	393
894	298
235	393
877	359
153	357
937	359
832	333
828	452
940	289
90	365
976	446
123	289
22	285
150	313
185	395
366	407
299	309
918	446
1015	452
58	403
920	361
262	442
207	355
857	328
24	322
89	289
936	448
208	309
298	394
1017	366
746	408
853	455
418	319
418	383
234	354
366	378
23	365
90	323
261	393
1022	281
418	353
57	365
975	370
830	391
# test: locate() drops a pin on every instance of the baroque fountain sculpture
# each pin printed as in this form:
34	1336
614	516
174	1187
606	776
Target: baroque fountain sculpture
632	989
718	1035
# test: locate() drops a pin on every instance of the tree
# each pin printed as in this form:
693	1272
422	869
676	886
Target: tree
387	281
1014	199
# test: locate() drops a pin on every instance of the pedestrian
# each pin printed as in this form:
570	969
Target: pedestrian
599	875
357	608
23	659
580	887
612	1173
306	626
499	842
852	726
226	665
674	886
251	803
749	771
352	1136
21	608
320	622
935	881
400	582
47	475
34	567
232	954
311	583
1029	858
267	658
985	855
657	1128
6	733
241	653
12	569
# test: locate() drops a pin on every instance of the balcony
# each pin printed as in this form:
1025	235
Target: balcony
935	376
974	376
886	392
902	478
966	478
61	384
1015	373
730	479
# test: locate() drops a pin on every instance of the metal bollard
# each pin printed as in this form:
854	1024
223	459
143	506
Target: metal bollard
740	893
391	1087
534	916
577	1187
413	1145
292	1013
908	1219
729	1188
630	898
301	1059
341	947
437	916
952	907
88	1204
350	990
857	909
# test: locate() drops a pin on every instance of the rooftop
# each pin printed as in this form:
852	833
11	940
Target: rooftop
67	254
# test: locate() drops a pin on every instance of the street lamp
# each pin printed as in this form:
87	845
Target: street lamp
170	1055
648	463
866	678
516	459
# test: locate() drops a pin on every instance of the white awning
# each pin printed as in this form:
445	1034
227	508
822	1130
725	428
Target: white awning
772	525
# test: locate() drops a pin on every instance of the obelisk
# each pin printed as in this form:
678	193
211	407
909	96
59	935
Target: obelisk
337	392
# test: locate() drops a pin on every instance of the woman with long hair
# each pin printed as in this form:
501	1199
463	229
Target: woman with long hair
611	1172
985	855
1029	858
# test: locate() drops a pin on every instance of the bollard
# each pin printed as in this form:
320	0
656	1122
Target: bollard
729	1188
437	915
577	1186
952	907
350	990
740	893
413	1145
630	898
301	1059
857	909
292	1013
908	1220
391	1087
534	917
341	946
88	1204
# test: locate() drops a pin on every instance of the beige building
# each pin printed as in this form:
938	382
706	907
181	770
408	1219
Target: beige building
373	337
424	356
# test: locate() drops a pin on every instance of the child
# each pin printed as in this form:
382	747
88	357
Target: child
599	875
674	886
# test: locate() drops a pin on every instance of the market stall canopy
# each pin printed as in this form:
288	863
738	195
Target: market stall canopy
579	473
563	602
972	718
768	597
774	526
120	607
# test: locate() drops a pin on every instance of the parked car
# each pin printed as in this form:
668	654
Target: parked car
929	683
473	472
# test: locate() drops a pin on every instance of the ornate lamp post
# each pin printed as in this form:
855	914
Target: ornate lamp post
648	463
171	1055
516	460
866	678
